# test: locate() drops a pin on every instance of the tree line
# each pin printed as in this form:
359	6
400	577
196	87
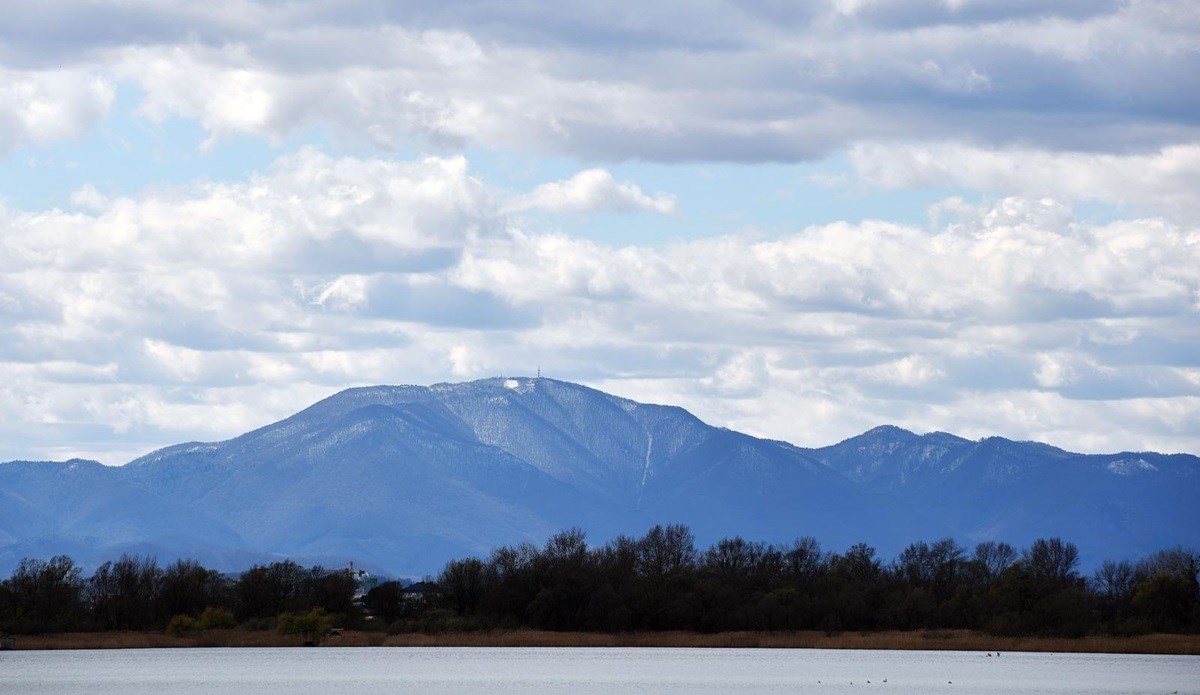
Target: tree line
136	593
660	581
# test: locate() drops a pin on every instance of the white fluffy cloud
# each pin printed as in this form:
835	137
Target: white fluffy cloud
1009	318
1016	260
1166	181
593	190
309	211
42	106
202	311
440	87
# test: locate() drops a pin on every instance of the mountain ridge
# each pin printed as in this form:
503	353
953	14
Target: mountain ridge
406	477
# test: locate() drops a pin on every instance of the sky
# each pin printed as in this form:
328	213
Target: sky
798	220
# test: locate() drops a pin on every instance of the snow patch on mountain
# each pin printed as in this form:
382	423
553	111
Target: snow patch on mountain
1131	466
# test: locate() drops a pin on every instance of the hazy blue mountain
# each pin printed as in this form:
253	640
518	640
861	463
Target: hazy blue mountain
1111	505
403	478
87	510
407	477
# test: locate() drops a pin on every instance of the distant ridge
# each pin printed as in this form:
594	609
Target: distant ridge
403	478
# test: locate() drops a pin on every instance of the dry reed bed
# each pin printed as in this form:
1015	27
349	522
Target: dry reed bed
941	639
155	640
963	640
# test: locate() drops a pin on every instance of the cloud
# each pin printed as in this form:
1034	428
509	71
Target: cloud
345	292
1017	259
318	273
87	196
308	212
1005	310
593	190
129	319
201	310
210	275
40	106
672	82
1166	181
436	86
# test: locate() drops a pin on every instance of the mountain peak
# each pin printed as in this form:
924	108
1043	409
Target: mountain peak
881	434
888	431
69	463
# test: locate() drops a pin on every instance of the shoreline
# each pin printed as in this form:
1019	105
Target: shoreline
951	640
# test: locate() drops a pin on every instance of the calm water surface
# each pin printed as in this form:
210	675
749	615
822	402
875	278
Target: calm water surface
528	671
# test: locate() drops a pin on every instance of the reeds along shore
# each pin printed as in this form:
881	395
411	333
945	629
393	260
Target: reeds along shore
958	640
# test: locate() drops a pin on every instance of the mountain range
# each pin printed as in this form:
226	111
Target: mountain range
401	479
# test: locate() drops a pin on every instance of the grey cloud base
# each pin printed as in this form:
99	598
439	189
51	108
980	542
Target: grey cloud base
729	81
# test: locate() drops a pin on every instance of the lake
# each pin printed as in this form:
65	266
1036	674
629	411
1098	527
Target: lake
603	671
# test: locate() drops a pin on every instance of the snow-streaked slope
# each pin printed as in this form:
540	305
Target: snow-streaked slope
408	477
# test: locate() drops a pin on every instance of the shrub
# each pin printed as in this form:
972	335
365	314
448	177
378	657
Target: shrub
215	619
181	625
313	625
